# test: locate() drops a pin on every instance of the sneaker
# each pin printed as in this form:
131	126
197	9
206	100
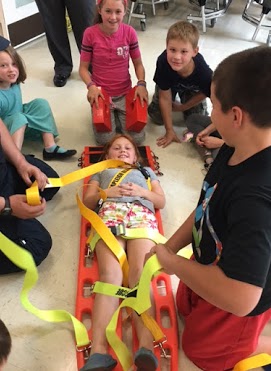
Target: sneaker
100	362
187	136
145	360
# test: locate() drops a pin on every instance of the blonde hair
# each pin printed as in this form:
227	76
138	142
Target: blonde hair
184	31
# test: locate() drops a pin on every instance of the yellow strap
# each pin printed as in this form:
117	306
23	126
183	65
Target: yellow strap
141	303
153	326
119	177
250	363
32	193
132	233
107	236
112	290
24	260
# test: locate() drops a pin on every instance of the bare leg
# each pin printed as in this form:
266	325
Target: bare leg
48	140
18	137
137	249
104	306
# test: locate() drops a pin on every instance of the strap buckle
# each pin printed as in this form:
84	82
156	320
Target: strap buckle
160	344
118	230
88	290
85	350
88	252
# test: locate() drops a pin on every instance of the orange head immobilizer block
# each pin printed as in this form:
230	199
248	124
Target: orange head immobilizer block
136	115
101	117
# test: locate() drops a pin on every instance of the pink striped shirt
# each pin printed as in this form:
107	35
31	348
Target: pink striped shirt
109	56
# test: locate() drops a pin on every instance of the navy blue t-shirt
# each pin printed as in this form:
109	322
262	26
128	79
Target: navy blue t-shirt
199	80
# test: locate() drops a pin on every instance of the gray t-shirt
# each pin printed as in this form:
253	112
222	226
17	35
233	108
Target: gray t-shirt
135	176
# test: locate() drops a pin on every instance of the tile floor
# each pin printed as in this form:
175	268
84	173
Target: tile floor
41	346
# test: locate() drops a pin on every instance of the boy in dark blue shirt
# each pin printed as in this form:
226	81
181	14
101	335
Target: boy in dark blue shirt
181	70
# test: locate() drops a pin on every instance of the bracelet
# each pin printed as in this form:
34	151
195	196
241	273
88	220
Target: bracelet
141	83
90	84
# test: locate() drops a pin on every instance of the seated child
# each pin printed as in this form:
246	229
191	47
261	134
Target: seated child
180	70
33	120
107	47
204	134
132	203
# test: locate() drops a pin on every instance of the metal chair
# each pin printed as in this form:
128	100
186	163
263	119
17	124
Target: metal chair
209	13
258	21
136	10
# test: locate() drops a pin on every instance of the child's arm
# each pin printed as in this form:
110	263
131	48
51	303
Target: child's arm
165	103
92	194
93	91
210	282
194	101
141	90
205	140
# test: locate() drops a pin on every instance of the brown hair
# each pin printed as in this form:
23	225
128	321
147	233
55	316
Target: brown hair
184	31
19	62
5	342
244	79
98	17
109	144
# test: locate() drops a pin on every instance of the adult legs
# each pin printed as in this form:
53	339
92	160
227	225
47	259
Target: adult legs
81	13
29	234
54	21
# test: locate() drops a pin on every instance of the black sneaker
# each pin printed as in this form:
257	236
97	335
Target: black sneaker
58	155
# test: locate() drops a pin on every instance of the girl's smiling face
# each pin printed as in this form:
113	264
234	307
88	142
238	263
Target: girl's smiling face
112	13
9	71
122	149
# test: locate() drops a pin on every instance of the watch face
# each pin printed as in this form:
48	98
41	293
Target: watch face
6	211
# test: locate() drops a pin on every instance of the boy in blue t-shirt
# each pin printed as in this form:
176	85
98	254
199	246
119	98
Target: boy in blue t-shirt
181	70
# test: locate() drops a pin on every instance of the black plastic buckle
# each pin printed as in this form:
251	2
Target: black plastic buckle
143	170
118	230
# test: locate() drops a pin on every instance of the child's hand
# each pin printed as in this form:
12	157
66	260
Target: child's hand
212	142
168	138
131	190
93	95
164	255
142	93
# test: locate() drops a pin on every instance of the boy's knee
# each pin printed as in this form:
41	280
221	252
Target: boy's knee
155	114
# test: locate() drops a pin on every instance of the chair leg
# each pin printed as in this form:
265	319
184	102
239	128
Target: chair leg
131	11
258	27
153	7
203	18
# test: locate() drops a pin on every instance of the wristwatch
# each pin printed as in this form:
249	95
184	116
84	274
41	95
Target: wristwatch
7	210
